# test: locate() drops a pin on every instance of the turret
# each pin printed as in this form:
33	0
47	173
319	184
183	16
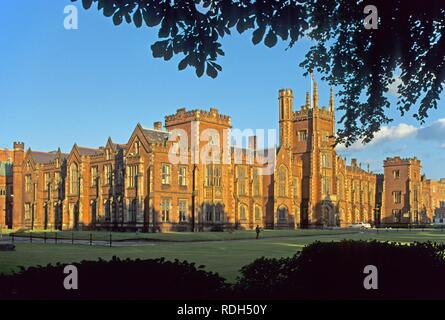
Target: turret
17	172
315	97
331	100
286	116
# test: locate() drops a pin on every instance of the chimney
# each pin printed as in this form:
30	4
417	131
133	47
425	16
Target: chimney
354	162
252	142
157	125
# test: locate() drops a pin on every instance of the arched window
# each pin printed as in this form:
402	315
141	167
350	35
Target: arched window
282	179
282	213
256	183
241	181
219	212
107	211
258	215
74	178
133	211
243	212
208	212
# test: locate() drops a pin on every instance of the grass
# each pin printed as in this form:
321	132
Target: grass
224	257
179	236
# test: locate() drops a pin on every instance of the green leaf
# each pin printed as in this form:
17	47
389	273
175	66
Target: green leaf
271	39
258	35
211	71
183	64
137	18
159	48
200	69
87	4
168	53
117	19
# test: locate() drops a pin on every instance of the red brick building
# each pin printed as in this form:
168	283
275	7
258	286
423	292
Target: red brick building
186	174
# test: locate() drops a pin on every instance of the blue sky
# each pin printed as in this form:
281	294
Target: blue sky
62	86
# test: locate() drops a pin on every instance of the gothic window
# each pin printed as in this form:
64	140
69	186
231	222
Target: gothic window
219	211
282	179
94	177
302	136
282	213
257	213
208	212
74	177
256	183
217	175
132	174
108	175
396	174
209	175
326	185
243	212
326	161
133	211
241	181
28	183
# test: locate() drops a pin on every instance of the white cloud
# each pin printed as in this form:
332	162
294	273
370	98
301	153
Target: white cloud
393	87
434	132
386	133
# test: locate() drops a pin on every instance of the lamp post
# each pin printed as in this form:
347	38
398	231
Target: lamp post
194	197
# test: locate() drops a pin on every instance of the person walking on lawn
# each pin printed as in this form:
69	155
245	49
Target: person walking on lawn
258	231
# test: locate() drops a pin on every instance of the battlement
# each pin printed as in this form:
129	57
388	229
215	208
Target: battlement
19	146
306	113
183	116
285	92
398	161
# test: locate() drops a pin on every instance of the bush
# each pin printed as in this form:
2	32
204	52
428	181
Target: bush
335	271
116	279
321	271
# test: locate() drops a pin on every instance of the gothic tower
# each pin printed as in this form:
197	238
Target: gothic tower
286	117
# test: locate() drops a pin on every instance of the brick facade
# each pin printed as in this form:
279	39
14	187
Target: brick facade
137	186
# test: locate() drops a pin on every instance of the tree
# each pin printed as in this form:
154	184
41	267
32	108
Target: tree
407	45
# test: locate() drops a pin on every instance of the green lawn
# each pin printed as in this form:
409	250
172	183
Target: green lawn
180	236
224	257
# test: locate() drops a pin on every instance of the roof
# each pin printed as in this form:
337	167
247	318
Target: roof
46	157
43	157
155	136
85	151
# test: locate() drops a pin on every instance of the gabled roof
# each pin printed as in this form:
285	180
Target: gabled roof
43	157
155	136
46	157
86	151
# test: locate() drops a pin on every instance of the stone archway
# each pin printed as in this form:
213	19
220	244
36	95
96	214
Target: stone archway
282	214
328	216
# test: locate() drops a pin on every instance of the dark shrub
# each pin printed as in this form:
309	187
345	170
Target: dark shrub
7	247
116	279
335	271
